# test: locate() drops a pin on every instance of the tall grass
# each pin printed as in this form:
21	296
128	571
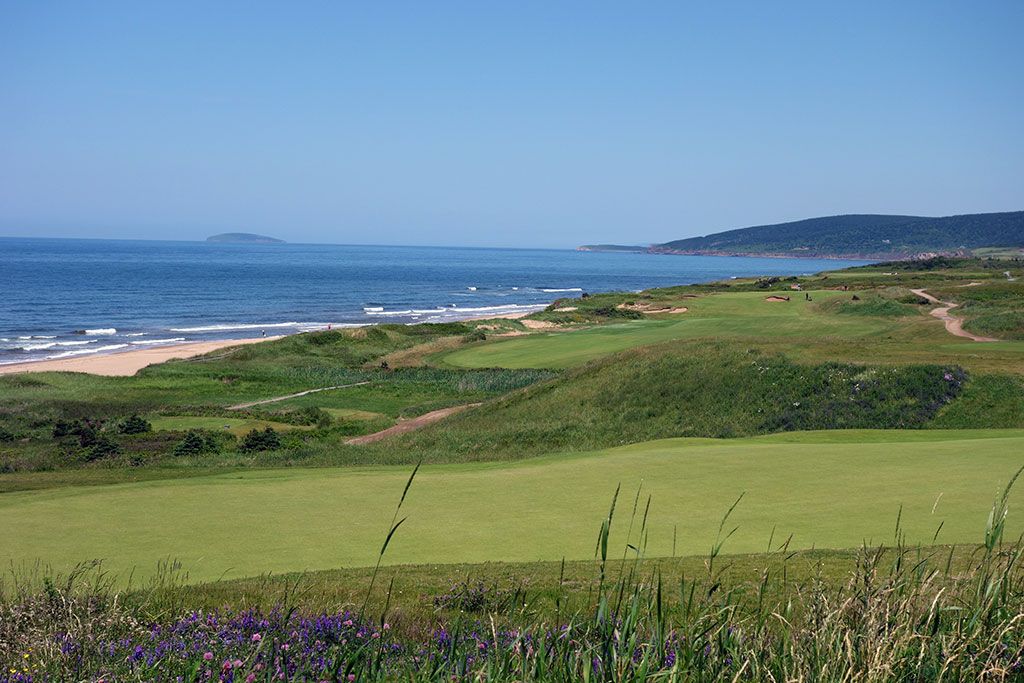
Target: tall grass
901	613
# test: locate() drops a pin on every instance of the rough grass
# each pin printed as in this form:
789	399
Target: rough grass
884	613
235	426
870	305
683	390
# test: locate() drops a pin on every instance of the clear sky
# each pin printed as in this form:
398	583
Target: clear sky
501	123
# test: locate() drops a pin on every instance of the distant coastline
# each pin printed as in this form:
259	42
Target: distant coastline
871	237
796	254
243	238
623	248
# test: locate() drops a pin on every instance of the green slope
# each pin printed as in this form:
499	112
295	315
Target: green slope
833	490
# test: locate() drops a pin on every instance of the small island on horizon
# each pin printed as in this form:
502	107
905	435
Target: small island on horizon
244	238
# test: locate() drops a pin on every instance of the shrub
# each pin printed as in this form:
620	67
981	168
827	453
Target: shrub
87	434
102	447
195	443
62	428
613	312
6	435
314	415
135	425
192	444
256	440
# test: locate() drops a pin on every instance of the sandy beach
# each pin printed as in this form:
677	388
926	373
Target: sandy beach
128	362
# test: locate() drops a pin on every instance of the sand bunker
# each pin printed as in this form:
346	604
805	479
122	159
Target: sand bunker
650	309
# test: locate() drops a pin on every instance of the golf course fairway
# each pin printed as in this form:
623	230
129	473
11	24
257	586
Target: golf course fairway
719	316
827	489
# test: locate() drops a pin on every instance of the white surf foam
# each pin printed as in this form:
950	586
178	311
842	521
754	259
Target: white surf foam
80	352
102	331
145	342
249	326
385	314
49	345
552	290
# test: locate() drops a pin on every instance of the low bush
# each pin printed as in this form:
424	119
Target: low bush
196	442
257	440
135	425
101	446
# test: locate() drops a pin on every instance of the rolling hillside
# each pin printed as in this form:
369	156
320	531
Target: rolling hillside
861	235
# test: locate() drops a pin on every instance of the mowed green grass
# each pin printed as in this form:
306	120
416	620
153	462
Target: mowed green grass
827	490
721	316
799	328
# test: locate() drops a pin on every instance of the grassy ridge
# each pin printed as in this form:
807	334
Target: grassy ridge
697	389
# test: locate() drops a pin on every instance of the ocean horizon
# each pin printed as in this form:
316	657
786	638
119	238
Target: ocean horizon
75	297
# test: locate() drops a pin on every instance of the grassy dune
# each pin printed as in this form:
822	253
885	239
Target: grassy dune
829	490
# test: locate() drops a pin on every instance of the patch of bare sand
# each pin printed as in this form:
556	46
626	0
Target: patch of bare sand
409	425
651	309
538	324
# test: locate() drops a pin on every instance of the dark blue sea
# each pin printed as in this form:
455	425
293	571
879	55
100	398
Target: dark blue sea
62	298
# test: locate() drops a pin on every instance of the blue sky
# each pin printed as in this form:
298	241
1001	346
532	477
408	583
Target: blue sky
509	124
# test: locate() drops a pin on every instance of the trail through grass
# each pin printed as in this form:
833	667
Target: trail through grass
831	490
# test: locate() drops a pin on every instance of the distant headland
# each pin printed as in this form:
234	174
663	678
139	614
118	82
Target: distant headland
857	236
243	238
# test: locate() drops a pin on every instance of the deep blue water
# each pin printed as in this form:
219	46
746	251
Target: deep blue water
63	298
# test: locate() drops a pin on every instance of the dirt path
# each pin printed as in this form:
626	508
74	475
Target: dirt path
954	325
409	425
242	406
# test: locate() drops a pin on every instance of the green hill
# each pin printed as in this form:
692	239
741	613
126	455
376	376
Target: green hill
862	235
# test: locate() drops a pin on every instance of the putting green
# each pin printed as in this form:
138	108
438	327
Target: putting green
827	489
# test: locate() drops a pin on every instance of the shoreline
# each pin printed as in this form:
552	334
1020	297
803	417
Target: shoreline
128	363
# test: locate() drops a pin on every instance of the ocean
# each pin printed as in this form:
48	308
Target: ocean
65	298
